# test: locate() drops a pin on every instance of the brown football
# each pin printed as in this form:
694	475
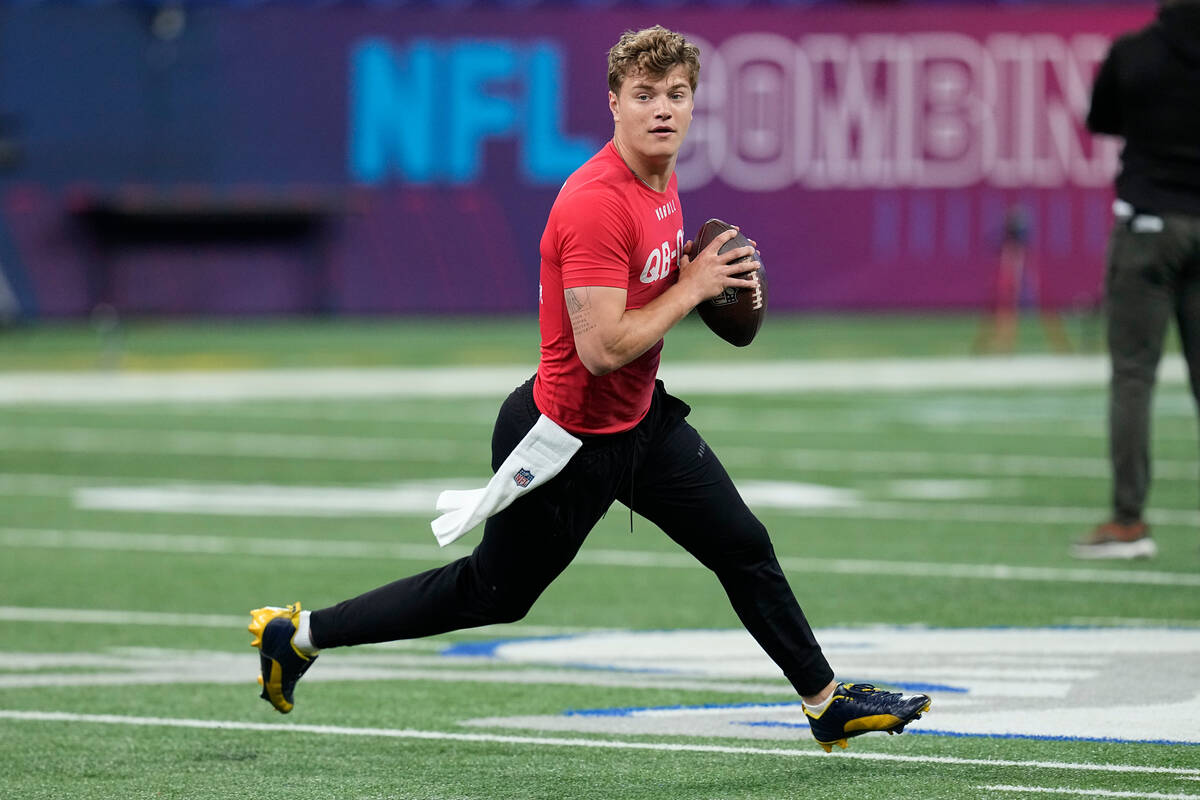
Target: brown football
736	314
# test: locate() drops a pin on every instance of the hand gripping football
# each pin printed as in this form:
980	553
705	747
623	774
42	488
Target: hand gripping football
736	314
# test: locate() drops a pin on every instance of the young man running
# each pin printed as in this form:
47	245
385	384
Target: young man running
616	275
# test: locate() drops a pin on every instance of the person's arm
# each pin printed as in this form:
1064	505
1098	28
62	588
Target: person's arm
608	336
1104	115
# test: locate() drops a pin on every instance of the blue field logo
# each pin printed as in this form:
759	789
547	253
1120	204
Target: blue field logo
1065	683
523	478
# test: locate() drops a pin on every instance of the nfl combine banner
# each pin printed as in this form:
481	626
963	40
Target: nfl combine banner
356	160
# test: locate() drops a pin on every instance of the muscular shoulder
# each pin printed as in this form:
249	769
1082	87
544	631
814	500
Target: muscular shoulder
594	207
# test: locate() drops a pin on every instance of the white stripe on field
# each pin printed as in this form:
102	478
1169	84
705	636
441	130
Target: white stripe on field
299	548
1090	792
890	462
1132	622
603	744
406	498
383	448
248	445
417	498
1033	515
92	616
711	416
725	377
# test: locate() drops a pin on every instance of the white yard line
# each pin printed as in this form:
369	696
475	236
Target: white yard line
417	498
726	377
337	447
238	445
1090	792
986	464
601	744
92	616
709	416
1131	622
298	548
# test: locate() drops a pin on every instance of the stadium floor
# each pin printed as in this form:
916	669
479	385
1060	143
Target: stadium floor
923	519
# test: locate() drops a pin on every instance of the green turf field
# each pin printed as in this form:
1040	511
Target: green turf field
924	529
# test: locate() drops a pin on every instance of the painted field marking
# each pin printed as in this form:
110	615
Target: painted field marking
404	498
1130	622
986	464
237	445
142	666
608	744
454	413
969	415
1050	684
418	498
226	545
341	447
92	616
698	377
1090	792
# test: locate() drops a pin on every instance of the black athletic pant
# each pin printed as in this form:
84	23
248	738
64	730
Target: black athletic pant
663	470
1153	276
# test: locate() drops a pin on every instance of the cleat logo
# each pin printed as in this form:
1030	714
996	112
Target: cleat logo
523	478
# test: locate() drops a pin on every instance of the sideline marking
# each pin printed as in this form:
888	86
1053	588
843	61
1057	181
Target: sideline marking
609	744
1090	792
697	377
225	545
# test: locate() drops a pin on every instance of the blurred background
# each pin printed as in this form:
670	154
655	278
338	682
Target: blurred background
342	158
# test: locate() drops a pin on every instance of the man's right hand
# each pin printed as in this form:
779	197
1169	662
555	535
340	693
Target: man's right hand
710	272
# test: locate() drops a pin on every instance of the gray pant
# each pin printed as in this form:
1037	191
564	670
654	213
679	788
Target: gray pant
1152	276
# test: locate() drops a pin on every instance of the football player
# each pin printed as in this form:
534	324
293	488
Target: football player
616	275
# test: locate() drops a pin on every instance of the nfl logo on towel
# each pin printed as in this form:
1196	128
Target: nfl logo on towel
523	478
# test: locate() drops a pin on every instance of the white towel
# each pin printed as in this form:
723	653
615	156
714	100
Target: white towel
536	459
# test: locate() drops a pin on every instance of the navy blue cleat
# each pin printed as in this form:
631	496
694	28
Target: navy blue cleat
861	708
282	663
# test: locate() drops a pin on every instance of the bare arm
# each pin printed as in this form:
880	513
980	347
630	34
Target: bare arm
608	336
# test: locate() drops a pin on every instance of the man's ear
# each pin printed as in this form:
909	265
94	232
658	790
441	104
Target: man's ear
612	106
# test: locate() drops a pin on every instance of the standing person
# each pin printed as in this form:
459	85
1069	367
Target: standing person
1148	91
616	275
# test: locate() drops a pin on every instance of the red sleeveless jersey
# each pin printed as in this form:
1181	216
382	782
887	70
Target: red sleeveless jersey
606	228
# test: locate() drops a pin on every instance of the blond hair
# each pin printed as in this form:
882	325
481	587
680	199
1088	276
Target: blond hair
654	52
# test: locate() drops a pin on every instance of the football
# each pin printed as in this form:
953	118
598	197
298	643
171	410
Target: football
736	314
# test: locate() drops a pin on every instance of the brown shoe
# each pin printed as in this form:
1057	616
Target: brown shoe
1117	540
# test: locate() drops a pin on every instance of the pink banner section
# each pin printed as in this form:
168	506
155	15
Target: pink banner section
884	158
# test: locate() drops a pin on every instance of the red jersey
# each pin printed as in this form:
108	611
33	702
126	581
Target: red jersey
606	228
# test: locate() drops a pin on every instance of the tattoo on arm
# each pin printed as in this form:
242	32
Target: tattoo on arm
579	309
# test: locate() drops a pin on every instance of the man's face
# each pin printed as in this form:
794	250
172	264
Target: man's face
652	116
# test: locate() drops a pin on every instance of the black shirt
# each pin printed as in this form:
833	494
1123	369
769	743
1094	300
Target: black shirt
1148	91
